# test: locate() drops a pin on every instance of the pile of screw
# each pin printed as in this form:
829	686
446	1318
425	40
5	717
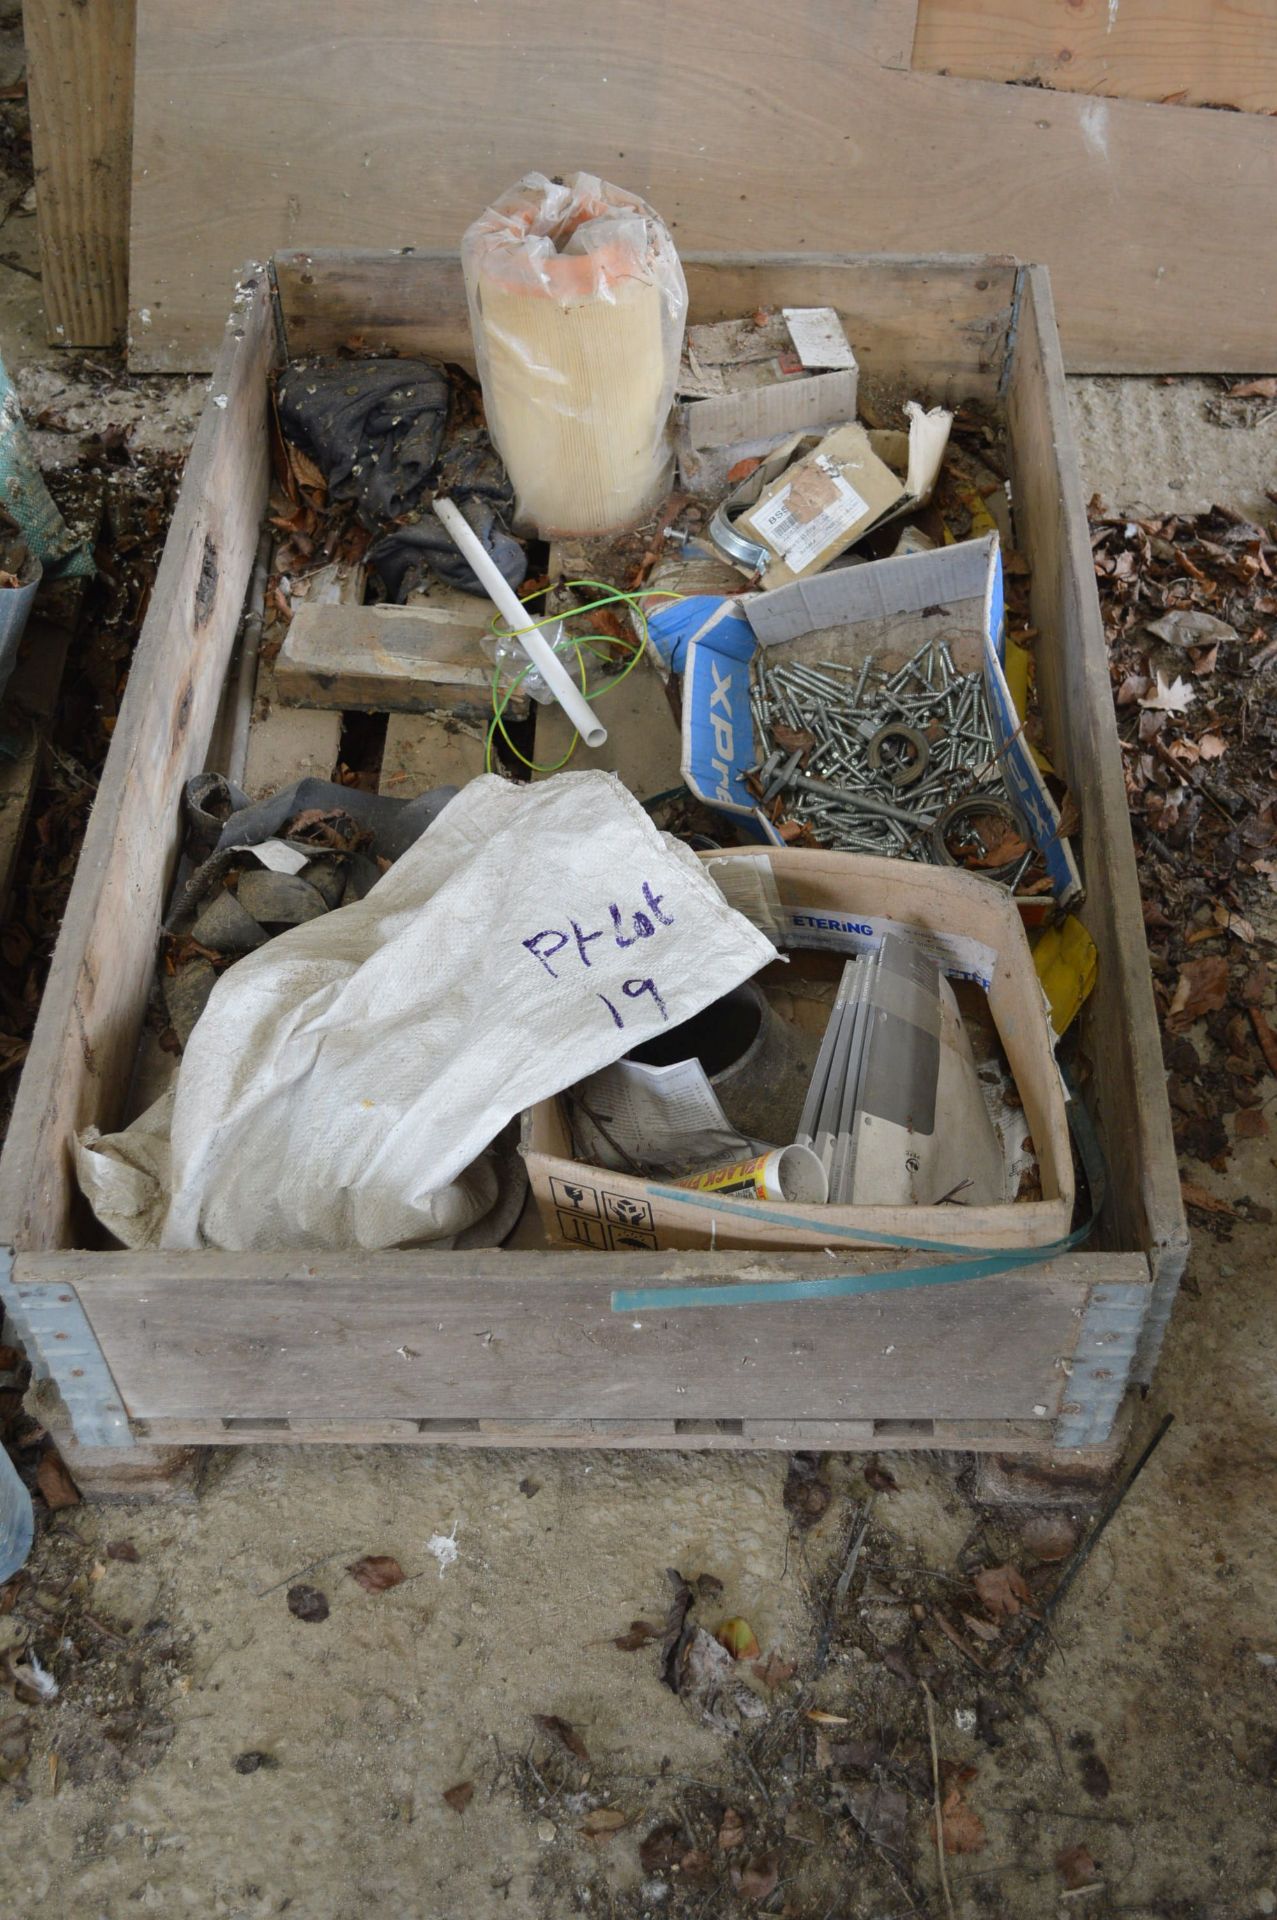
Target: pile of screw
882	802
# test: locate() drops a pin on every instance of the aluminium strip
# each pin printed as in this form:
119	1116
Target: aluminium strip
1101	1364
62	1347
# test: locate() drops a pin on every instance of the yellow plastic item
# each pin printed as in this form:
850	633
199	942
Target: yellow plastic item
1066	961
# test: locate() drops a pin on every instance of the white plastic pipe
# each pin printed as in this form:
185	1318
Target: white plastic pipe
515	614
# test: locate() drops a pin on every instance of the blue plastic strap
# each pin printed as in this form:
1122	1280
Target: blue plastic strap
970	1263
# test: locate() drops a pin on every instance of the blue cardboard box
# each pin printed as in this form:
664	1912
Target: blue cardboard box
887	608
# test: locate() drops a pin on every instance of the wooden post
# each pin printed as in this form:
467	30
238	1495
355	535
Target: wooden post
80	84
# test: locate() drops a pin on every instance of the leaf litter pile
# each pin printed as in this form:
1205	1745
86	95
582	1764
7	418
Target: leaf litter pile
137	493
1190	610
859	1774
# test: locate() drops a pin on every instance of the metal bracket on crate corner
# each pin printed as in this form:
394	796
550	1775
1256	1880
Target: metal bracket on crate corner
1101	1365
53	1327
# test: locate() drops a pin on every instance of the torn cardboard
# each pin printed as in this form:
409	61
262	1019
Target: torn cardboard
746	385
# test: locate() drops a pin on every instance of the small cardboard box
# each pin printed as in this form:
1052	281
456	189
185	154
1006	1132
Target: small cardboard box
842	903
887	608
745	380
839	491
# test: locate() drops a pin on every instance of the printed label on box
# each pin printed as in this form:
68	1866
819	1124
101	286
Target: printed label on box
575	1197
798	535
580	1231
631	1240
622	1211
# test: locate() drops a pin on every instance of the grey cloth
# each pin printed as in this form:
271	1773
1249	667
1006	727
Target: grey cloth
393	823
404	556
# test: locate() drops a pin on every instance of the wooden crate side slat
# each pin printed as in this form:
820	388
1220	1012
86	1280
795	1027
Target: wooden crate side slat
1121	1031
415	303
484	1336
82	1052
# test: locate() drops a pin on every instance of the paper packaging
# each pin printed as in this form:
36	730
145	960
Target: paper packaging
744	387
836	899
888	608
835	494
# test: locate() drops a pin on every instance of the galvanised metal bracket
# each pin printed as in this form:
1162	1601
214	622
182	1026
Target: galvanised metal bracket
62	1347
1101	1365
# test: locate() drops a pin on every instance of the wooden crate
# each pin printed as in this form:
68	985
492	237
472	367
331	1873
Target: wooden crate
158	1350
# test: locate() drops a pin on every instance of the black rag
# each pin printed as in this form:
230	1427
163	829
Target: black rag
374	428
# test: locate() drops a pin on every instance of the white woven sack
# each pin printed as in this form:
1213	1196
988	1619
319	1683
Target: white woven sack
345	1079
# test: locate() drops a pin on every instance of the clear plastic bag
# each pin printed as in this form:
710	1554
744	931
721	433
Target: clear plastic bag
577	305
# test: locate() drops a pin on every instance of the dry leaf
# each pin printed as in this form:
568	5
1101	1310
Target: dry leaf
807	1492
1174	696
773	1671
1001	1590
1095	1777
122	1550
603	1822
641	1633
1266	1037
460	1796
1211	746
757	1879
1133	688
1188	627
1202	661
877	1477
982	1629
738	1637
1197	1196
731	1830
961	1825
307	1603
375	1572
664	1847
1265	389
697	1867
565	1733
823	1719
1075	1867
792	739
1202	988
55	1483
1049	1536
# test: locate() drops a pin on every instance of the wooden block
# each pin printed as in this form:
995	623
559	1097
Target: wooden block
80	68
643	745
384	659
425	750
287	743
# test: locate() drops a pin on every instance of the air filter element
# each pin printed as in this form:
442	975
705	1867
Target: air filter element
577	304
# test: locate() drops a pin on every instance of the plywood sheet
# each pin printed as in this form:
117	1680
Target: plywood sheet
309	123
1198	52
